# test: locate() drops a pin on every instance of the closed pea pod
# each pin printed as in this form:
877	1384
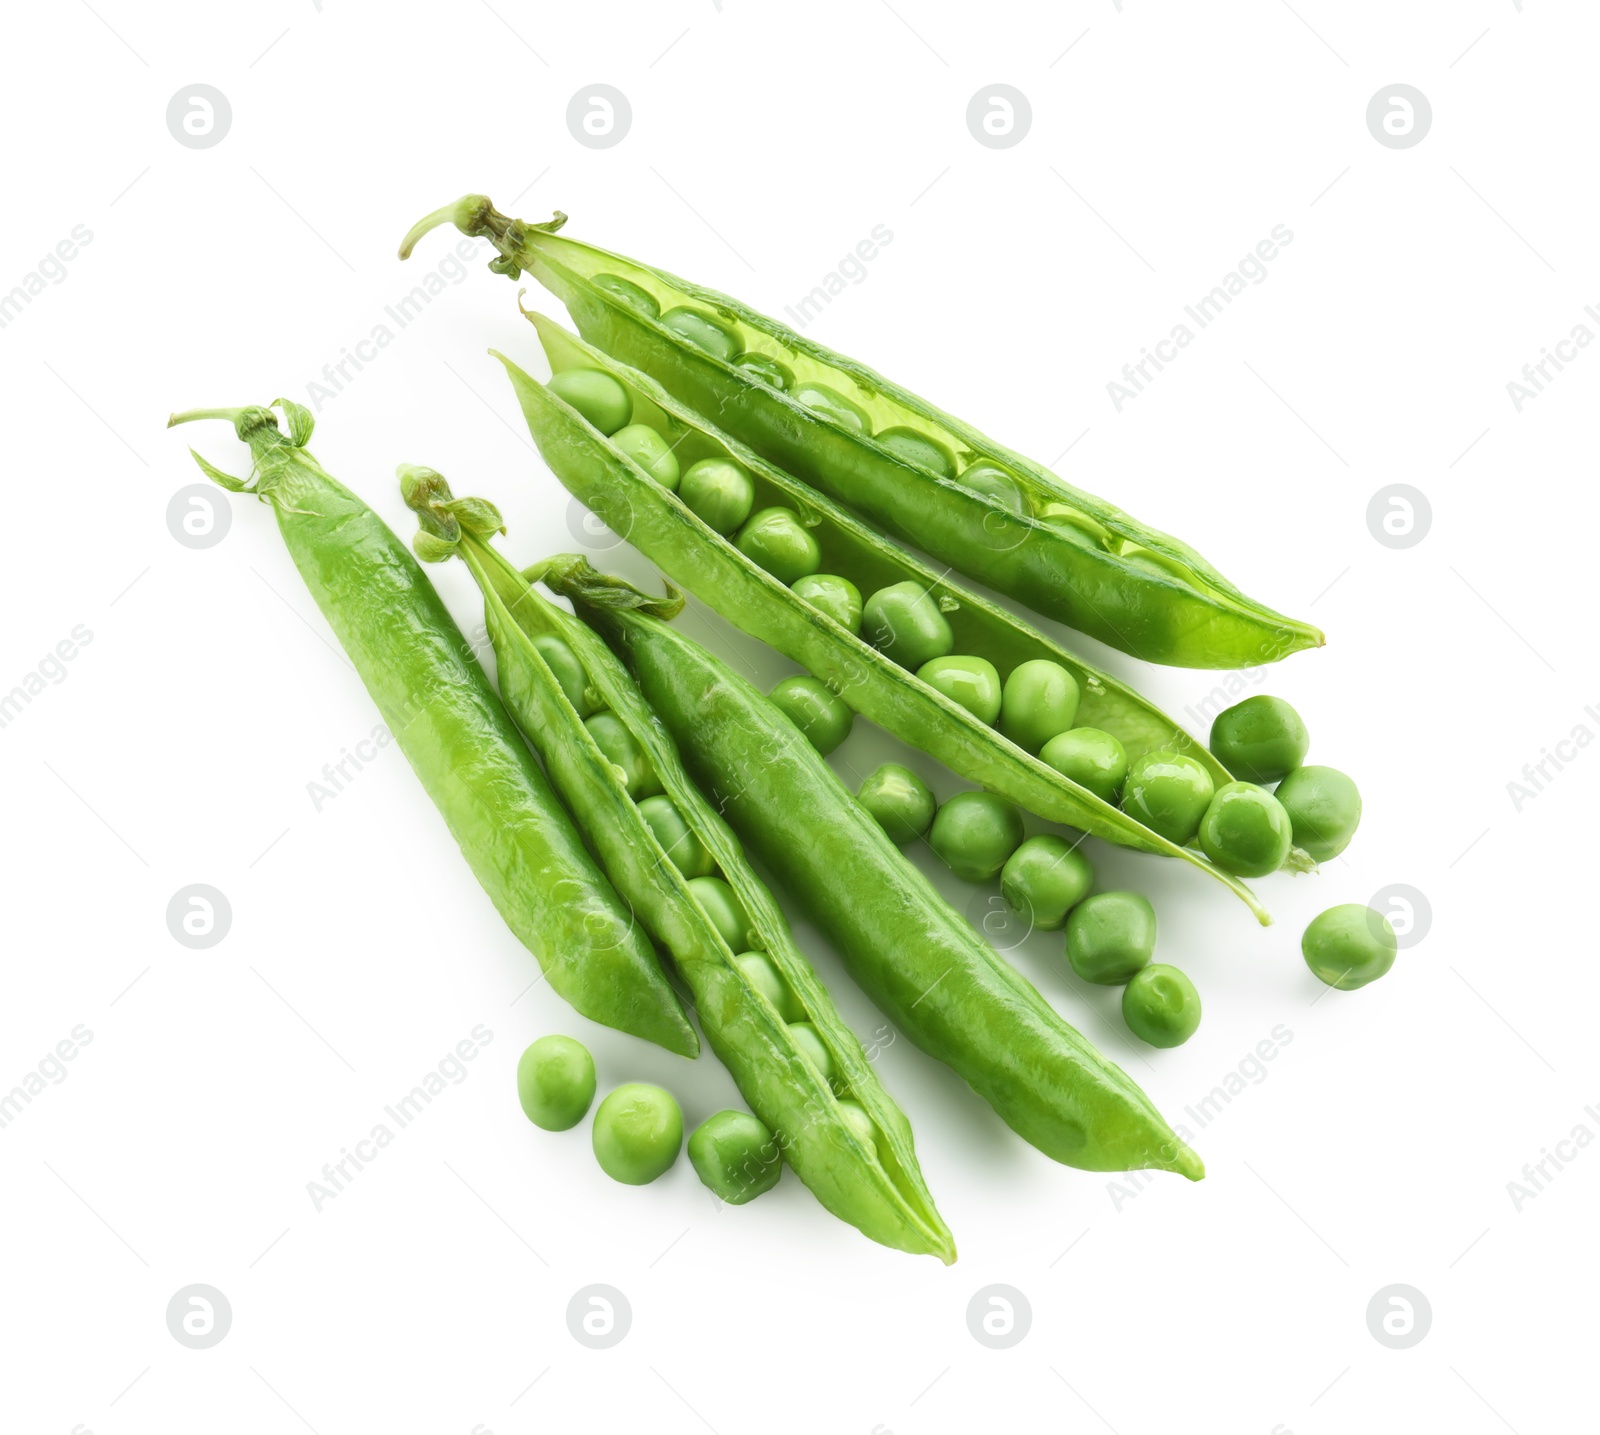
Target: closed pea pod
948	990
434	697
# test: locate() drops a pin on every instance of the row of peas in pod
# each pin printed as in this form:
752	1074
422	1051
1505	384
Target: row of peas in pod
707	332
715	897
638	1128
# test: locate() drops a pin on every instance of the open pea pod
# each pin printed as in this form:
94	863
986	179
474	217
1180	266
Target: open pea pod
924	475
907	948
872	1181
657	522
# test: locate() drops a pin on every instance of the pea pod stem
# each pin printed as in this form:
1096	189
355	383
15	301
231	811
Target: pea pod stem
716	571
435	699
917	958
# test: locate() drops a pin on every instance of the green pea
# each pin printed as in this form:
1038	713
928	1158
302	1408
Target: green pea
1168	792
900	801
813	707
1161	1006
1091	758
568	671
1159	564
775	539
638	1132
762	973
704	332
831	404
595	394
630	293
1077	527
735	1156
856	1115
1245	830
677	840
768	370
972	682
1111	937
719	493
1260	740
623	751
1044	879
650	451
974	832
838	597
1040	701
1001	488
904	623
555	1082
1324	809
1349	946
813	1048
919	449
724	911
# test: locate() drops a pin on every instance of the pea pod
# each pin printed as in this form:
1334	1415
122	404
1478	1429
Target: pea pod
873	1182
924	475
717	572
445	717
916	957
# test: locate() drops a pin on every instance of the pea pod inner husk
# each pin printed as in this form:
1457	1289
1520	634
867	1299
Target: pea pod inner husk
454	731
952	994
1066	554
658	522
880	1191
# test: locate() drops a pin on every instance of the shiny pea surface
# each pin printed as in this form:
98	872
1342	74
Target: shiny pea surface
972	682
719	493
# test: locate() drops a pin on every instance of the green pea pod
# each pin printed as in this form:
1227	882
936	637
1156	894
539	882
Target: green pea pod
658	522
879	1188
905	946
923	474
456	735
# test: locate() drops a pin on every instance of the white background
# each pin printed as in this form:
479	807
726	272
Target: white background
766	140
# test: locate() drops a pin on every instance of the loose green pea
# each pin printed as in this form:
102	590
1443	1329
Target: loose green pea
1245	830
1001	488
919	449
838	597
768	370
776	540
762	973
650	451
677	840
1161	1006
1091	758
623	751
719	493
815	1050
704	332
568	671
1044	879
1349	946
1260	740
975	832
595	394
862	1124
555	1082
1040	702
630	293
1324	809
735	1156
1168	792
1111	936
724	911
900	801
638	1132
904	623
831	404
972	682
813	707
